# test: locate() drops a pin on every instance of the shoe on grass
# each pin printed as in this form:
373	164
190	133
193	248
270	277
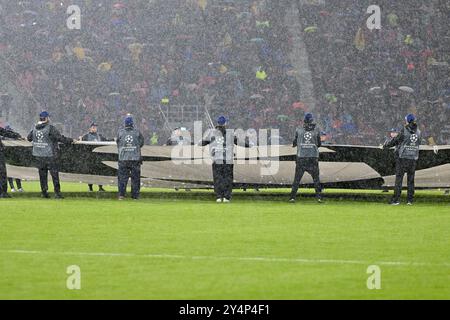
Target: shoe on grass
45	195
59	196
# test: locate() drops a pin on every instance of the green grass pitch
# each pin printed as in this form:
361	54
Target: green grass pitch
185	246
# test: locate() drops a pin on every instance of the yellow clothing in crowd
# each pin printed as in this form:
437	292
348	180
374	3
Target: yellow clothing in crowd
79	52
202	4
261	75
104	66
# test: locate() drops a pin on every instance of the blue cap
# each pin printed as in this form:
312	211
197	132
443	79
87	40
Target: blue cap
221	121
93	124
44	114
309	117
129	121
410	118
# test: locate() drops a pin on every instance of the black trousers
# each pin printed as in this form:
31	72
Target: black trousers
311	166
91	186
18	183
3	174
127	170
223	175
45	165
409	167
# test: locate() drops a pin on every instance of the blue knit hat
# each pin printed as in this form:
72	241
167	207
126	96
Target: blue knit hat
129	121
410	118
221	121
309	117
44	114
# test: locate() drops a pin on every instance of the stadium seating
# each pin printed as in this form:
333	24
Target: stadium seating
138	56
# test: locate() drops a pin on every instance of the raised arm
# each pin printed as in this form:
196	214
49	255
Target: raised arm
394	141
207	139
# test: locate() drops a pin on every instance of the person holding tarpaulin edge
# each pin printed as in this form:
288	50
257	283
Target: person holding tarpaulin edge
129	143
46	138
308	140
94	136
3	174
407	145
221	142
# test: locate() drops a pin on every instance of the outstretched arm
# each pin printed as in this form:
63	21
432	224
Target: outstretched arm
9	134
246	142
204	143
103	138
58	137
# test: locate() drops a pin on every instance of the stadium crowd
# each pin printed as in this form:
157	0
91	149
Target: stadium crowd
135	56
365	80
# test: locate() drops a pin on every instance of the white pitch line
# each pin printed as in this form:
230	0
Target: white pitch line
224	258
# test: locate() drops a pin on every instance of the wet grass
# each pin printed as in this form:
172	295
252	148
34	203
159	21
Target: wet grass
182	245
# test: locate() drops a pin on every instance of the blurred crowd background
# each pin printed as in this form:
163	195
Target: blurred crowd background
169	62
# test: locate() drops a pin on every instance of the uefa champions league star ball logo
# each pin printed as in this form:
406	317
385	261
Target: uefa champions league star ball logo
129	139
220	140
308	137
39	135
414	138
